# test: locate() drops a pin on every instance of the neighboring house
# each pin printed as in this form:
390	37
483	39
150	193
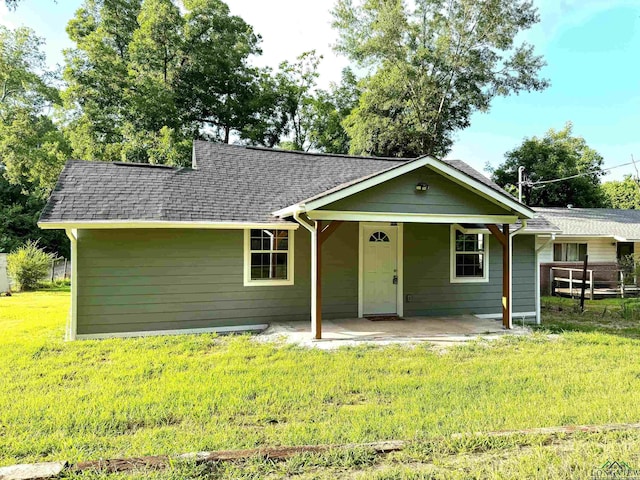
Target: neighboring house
605	234
251	235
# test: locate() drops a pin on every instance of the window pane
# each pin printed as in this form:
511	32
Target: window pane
279	266
469	265
469	242
282	242
582	251
266	266
557	252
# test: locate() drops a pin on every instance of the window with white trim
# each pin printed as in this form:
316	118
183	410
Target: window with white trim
569	252
268	258
469	256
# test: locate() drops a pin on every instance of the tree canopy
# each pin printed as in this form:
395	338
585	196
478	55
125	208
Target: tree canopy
33	147
433	63
145	78
622	193
558	154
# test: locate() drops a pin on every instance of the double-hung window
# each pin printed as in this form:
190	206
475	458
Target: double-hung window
469	256
268	258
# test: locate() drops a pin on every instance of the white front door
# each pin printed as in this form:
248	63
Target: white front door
380	269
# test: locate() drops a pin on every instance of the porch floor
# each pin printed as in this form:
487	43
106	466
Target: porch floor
443	331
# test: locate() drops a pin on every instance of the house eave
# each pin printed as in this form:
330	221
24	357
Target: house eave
354	216
155	224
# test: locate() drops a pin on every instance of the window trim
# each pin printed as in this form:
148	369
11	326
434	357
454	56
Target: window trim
452	257
248	282
553	251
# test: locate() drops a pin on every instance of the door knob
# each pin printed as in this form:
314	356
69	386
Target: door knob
395	279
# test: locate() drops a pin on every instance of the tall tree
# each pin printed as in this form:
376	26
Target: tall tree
557	155
97	76
330	109
32	147
217	86
296	115
622	193
146	78
433	64
298	81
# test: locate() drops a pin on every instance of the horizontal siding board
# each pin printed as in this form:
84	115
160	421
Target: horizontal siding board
207	260
213	309
168	271
173	325
235	279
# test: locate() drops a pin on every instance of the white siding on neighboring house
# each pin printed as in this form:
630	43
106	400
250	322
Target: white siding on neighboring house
4	277
598	249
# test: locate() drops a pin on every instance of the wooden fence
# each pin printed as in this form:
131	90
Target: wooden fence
567	282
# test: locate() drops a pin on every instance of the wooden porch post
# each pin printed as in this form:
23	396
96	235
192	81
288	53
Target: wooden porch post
503	238
506	278
317	334
322	233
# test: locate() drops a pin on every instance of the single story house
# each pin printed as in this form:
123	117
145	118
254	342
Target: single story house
606	235
250	235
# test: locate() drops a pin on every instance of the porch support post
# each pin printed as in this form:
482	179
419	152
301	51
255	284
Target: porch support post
72	326
504	239
317	247
322	234
506	278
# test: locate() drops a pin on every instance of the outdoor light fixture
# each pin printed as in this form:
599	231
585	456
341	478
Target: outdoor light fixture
422	187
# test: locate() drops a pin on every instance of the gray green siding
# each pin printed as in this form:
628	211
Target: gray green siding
143	280
444	197
140	280
427	275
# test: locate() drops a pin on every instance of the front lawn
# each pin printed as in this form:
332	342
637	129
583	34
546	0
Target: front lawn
615	316
131	397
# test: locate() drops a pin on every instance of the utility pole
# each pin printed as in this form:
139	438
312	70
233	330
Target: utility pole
520	175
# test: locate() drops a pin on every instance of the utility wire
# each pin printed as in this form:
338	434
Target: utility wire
546	182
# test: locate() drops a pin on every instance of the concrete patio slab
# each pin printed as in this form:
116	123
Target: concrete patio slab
442	331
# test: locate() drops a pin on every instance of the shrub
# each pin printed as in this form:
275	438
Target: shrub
28	265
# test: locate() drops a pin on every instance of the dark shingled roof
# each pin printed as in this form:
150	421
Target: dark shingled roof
230	184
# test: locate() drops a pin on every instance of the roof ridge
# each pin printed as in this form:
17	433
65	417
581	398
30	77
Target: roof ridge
311	154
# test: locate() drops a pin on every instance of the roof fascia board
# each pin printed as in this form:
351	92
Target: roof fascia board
587	235
407	217
119	224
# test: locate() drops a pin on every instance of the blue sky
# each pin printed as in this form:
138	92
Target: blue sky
592	48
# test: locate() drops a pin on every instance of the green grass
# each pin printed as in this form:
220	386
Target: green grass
130	397
613	316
